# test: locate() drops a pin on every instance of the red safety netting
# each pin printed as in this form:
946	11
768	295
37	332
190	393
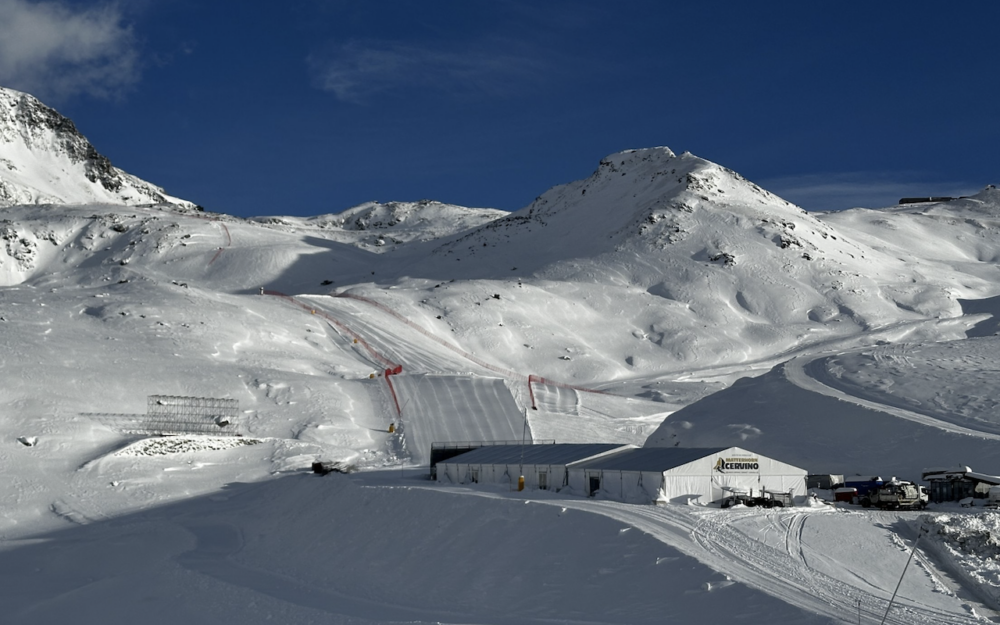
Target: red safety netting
507	373
390	368
229	239
394	367
530	379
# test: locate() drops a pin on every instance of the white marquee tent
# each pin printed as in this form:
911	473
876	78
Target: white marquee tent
543	466
679	474
625	472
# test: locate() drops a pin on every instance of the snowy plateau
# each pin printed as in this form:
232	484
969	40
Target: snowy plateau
663	301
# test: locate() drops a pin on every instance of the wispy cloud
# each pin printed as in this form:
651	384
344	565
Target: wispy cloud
358	71
57	50
823	192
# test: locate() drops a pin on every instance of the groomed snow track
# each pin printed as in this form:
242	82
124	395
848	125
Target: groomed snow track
432	402
731	542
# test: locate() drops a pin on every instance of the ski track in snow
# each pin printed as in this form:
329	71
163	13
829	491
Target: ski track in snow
439	408
721	542
809	373
730	542
435	406
414	352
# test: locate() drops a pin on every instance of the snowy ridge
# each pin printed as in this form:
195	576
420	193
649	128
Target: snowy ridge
45	160
714	250
378	227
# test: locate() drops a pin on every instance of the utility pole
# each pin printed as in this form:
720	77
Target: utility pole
524	430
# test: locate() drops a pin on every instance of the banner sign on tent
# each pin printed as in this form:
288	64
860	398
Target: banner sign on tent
737	465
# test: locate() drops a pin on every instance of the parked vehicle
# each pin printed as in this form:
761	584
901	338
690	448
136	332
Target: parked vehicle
993	499
846	494
895	495
764	499
824	481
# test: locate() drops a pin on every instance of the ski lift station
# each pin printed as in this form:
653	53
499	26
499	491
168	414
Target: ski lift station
626	472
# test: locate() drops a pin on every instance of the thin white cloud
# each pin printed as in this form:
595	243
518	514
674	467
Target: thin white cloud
824	192
57	50
359	71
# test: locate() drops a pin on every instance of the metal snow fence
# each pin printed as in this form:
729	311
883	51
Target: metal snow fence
171	415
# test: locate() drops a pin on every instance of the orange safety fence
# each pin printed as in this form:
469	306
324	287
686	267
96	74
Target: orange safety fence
507	373
531	378
393	368
390	368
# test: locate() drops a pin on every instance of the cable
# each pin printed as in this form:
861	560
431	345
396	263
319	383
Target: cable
900	582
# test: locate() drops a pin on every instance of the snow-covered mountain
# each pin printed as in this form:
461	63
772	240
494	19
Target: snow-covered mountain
45	160
380	227
664	300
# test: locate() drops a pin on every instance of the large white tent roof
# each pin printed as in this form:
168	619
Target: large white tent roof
650	458
554	454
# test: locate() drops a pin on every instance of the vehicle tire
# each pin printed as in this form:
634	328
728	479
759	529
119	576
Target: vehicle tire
778	504
866	502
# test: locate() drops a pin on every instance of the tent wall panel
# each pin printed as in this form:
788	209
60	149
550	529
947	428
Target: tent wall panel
633	475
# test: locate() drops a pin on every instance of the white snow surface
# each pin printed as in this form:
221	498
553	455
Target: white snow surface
665	300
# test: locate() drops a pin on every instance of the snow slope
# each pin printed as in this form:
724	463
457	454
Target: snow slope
663	300
910	395
391	224
366	553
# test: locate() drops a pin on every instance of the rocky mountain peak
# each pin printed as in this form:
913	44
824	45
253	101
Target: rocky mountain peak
44	159
628	159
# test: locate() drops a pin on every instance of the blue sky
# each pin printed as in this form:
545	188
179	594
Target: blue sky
309	107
